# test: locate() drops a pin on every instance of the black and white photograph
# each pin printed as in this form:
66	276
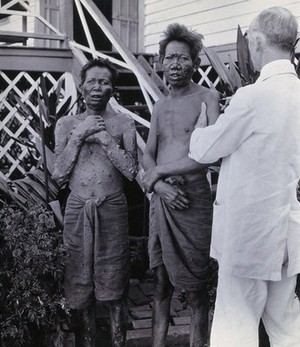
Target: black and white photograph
150	173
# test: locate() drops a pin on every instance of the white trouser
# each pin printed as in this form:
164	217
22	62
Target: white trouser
240	304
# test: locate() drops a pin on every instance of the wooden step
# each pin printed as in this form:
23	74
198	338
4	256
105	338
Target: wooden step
177	336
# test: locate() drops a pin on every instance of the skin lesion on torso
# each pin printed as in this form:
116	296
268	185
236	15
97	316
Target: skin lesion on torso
94	174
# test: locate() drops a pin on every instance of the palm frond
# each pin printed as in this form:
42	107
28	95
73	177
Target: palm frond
243	56
220	68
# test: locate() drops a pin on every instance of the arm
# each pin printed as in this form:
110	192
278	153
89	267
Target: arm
211	106
171	194
228	133
149	157
67	150
178	167
125	160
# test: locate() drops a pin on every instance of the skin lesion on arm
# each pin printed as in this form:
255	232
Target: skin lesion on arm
66	151
123	158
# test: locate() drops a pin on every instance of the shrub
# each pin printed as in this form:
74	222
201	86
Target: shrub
31	276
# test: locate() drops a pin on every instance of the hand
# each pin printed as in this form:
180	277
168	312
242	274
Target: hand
202	119
91	125
97	137
227	101
172	195
175	179
149	178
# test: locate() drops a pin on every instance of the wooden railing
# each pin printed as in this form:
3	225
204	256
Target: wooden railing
25	11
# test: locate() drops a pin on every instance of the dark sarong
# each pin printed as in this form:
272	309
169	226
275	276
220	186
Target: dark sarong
96	237
180	239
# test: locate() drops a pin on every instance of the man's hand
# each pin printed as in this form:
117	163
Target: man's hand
91	125
202	119
226	101
98	137
149	178
172	195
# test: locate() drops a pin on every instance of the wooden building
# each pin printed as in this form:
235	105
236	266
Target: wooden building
217	20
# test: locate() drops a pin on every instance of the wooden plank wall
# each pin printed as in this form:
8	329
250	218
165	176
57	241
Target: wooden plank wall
217	20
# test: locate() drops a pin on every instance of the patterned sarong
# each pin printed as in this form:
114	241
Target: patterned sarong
96	237
180	239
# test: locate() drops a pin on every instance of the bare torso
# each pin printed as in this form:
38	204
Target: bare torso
176	118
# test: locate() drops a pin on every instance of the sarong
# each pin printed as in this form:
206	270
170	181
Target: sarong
180	239
96	238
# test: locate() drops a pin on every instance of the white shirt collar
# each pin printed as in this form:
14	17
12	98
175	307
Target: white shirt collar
276	67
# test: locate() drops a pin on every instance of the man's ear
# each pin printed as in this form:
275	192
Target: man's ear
161	58
261	41
80	88
114	91
197	62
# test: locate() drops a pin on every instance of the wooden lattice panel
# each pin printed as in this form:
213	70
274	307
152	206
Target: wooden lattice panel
15	158
208	76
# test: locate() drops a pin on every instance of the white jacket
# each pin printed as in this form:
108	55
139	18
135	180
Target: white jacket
256	213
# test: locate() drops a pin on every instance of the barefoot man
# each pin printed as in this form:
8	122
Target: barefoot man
94	151
181	205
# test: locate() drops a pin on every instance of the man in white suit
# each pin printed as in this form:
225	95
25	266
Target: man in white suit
256	225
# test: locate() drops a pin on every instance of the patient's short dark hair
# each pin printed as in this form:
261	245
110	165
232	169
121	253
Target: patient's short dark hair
179	32
100	62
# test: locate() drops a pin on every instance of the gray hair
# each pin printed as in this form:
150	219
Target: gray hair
279	27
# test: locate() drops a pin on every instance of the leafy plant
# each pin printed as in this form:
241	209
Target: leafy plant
31	246
32	259
233	76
